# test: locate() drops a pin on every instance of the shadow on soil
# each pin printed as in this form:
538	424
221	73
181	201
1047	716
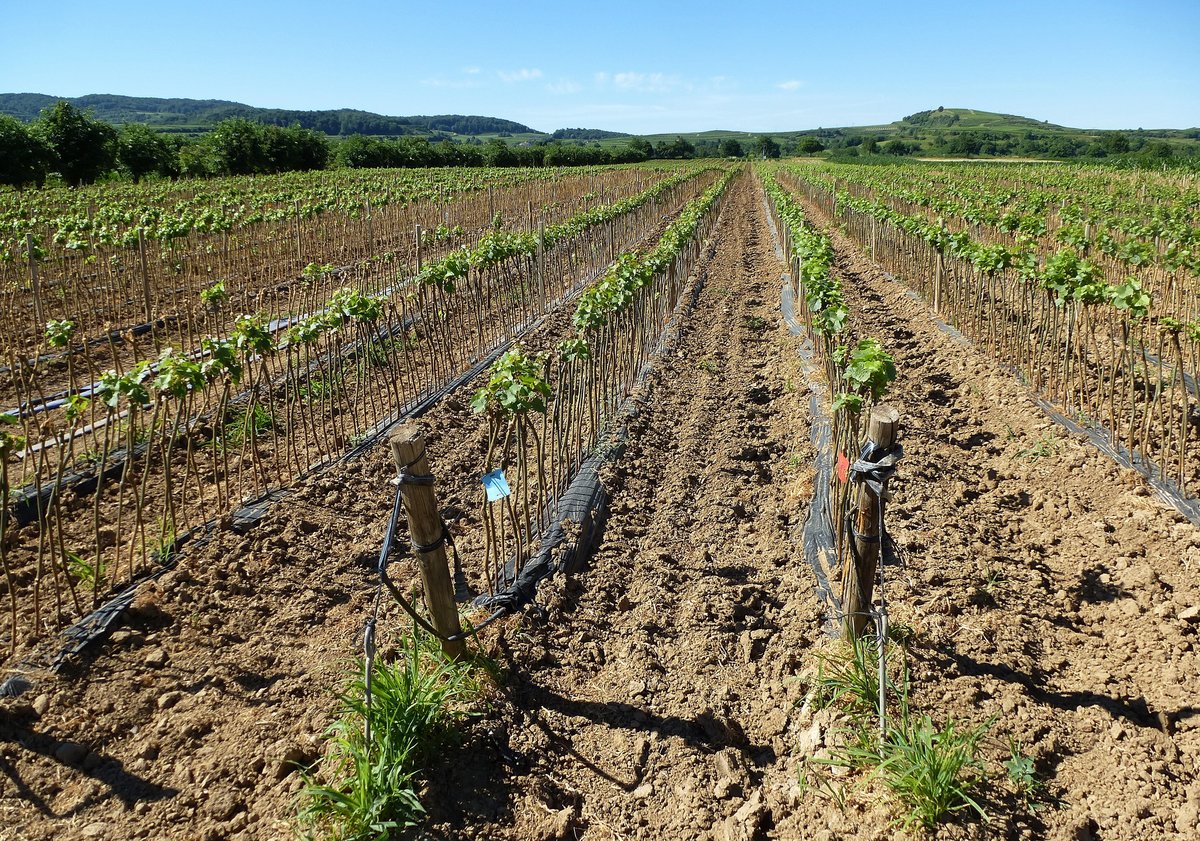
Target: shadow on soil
115	781
1135	710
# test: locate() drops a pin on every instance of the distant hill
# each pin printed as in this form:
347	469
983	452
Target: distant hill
586	134
201	114
967	118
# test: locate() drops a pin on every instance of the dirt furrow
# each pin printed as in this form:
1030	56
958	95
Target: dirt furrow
652	703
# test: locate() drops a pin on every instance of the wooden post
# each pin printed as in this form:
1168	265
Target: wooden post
859	579
491	204
529	208
299	249
425	527
417	236
874	234
36	283
370	229
145	272
541	264
937	282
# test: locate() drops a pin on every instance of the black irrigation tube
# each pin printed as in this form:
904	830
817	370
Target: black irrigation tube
111	336
817	534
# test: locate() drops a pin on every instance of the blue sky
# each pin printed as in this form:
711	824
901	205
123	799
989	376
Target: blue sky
641	67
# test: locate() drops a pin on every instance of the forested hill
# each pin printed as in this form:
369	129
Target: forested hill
186	115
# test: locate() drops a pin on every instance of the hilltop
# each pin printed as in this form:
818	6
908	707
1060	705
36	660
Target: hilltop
195	116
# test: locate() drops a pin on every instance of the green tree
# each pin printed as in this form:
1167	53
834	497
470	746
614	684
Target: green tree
870	145
643	146
82	148
23	154
730	148
767	147
293	149
677	149
198	159
141	151
238	147
896	146
808	145
1114	142
498	153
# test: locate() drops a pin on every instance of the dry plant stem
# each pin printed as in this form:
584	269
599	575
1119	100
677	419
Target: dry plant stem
8	577
58	522
97	567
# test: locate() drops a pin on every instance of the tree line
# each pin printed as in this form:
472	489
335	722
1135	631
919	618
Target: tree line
69	144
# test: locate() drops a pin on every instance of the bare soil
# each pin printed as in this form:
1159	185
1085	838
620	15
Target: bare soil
657	695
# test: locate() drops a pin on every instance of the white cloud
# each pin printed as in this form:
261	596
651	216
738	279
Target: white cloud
438	82
564	86
645	82
525	74
471	70
790	85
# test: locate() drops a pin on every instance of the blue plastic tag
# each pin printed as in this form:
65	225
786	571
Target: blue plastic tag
496	485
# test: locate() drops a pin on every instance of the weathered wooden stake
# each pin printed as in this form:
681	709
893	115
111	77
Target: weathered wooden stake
36	282
370	227
417	236
541	264
425	527
858	580
299	249
937	282
145	272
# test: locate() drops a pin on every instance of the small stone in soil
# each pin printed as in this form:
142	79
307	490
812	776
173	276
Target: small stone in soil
156	658
70	753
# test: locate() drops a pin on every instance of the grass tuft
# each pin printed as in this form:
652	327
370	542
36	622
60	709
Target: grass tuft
419	703
933	771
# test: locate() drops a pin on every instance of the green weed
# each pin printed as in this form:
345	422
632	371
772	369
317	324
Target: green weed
260	422
419	701
85	571
1022	775
1044	448
848	676
933	771
755	323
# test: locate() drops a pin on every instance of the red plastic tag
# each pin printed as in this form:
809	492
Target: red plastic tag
843	468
